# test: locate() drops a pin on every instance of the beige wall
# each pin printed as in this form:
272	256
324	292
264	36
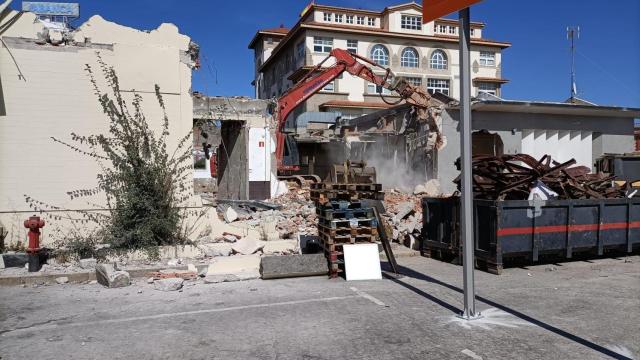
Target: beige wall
55	98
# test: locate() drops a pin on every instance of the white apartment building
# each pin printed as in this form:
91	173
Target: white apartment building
425	54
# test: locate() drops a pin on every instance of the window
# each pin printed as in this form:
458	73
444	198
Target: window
473	32
411	22
438	60
441	29
349	19
352	46
300	50
339	18
371	21
409	58
377	89
489	88
452	29
487	58
330	87
360	20
327	16
415	81
380	55
438	85
322	44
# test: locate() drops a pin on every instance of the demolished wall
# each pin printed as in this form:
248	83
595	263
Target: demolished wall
46	93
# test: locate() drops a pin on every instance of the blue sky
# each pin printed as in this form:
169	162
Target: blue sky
537	64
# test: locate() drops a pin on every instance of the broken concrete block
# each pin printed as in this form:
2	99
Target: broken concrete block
230	215
217	249
170	284
62	280
1	262
405	209
229	238
243	267
248	246
273	267
215	279
88	263
150	280
280	247
192	268
108	276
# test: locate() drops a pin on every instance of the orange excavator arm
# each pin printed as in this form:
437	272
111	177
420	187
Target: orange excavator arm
318	78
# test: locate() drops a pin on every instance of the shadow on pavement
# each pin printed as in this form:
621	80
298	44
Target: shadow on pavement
420	276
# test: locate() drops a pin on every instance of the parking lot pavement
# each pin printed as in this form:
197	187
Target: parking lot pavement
579	310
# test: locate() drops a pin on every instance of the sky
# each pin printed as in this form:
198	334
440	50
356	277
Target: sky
537	64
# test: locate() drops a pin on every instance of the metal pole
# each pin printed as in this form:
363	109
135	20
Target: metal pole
465	152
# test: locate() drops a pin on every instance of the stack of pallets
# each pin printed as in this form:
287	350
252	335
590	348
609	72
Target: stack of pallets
343	218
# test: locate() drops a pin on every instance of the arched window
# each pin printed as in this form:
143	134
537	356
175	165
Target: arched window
438	60
409	58
380	55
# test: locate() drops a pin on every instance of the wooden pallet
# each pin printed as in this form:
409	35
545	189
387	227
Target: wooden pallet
323	196
347	231
350	187
331	214
348	223
346	239
341	205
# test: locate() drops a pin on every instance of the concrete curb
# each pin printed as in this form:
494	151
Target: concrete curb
74	277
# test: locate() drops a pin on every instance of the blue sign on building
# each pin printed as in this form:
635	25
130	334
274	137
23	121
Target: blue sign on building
52	8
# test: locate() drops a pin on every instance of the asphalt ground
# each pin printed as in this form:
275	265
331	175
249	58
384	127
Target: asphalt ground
577	310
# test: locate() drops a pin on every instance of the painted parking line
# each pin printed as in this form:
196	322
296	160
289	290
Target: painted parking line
170	315
368	296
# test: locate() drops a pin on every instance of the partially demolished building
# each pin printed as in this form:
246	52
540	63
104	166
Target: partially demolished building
45	92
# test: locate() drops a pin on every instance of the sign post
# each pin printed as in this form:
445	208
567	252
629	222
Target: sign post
433	9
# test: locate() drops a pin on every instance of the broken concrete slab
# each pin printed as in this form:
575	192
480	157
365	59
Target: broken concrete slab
282	247
405	209
107	275
170	284
230	215
62	280
274	267
88	263
217	249
229	238
242	266
215	279
248	246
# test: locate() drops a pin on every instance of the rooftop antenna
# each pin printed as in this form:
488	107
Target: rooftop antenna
573	33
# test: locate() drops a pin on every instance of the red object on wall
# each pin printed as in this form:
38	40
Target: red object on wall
433	9
34	224
213	164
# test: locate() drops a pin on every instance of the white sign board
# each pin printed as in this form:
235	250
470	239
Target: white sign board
362	262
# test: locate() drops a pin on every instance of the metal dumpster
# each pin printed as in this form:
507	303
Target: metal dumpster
520	228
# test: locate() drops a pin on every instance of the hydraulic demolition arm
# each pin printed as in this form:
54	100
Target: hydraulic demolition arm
356	65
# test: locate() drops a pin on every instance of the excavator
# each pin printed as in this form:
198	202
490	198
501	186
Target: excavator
426	106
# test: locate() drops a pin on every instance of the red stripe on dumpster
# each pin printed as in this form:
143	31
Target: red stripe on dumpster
563	228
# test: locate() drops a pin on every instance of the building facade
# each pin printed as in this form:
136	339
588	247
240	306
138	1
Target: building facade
395	38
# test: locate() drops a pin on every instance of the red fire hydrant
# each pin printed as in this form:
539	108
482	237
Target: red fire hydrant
34	224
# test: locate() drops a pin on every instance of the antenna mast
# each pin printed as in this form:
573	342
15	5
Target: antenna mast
573	33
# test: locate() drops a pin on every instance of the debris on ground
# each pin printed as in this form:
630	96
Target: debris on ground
170	284
108	275
62	280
